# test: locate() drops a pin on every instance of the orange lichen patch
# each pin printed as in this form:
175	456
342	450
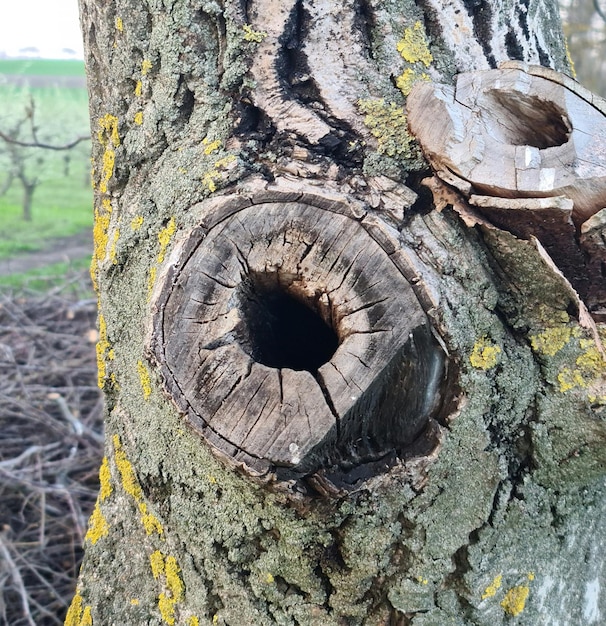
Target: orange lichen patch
414	46
484	354
515	600
494	586
97	525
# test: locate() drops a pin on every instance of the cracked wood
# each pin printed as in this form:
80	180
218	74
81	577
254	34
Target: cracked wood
292	342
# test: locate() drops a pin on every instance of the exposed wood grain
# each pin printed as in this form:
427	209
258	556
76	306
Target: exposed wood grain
528	145
252	382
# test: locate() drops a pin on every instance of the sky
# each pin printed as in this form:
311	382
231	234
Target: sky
49	25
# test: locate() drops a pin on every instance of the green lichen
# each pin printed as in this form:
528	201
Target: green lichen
387	123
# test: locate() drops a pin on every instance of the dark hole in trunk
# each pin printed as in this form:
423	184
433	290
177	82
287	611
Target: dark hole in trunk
279	330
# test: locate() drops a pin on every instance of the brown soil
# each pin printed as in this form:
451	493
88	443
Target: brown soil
64	249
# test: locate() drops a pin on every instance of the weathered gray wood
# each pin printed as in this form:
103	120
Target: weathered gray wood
513	137
224	350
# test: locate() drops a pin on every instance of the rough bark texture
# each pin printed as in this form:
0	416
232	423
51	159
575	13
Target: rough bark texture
195	103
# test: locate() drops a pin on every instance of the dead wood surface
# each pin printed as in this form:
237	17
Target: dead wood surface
290	339
526	144
50	451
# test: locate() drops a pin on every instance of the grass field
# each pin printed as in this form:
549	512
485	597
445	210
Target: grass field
41	67
62	203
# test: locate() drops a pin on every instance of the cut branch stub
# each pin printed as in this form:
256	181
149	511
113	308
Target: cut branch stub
523	132
292	343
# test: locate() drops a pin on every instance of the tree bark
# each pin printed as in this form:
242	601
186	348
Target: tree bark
253	153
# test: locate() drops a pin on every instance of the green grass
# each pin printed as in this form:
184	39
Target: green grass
42	67
62	204
62	207
65	278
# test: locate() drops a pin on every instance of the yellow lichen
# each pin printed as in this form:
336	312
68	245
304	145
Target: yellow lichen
112	250
150	522
151	280
138	89
107	171
414	46
193	621
119	24
101	349
215	618
387	123
211	146
146	65
551	340
164	237
408	78
144	379
136	222
87	617
484	354
225	161
269	579
138	119
423	581
156	560
494	586
255	36
78	615
212	176
108	130
127	473
168	599
515	600
105	489
573	71
100	228
97	525
590	368
530	575
134	601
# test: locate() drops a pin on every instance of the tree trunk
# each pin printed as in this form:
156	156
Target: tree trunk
28	198
332	396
